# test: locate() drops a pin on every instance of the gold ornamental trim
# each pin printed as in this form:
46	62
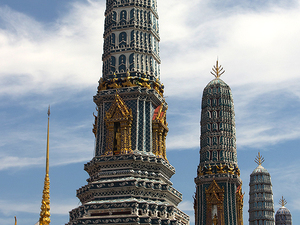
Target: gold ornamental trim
118	121
219	169
215	198
159	132
239	204
116	83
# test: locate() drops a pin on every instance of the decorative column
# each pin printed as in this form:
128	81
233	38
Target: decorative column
261	205
218	197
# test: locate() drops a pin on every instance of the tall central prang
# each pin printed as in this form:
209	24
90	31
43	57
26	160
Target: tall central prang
218	198
130	175
131	74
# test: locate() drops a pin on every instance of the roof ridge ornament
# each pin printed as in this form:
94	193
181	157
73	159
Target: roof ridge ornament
282	202
217	70
259	159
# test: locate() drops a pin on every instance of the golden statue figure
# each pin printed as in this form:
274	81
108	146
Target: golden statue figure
215	220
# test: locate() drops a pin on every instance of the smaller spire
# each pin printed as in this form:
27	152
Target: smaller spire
282	202
217	70
45	207
15	220
259	159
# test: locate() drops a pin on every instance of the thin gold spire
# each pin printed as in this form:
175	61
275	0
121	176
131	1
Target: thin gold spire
217	70
282	202
45	208
259	159
15	220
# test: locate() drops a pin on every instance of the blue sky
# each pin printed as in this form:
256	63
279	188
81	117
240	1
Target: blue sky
51	54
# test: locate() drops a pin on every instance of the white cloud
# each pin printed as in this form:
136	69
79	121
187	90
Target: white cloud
37	57
254	48
8	162
8	207
186	206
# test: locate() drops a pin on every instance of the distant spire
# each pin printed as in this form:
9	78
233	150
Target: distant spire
282	202
217	70
15	220
45	208
259	159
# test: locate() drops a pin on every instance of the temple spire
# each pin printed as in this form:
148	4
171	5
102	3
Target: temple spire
217	70
45	208
282	202
259	159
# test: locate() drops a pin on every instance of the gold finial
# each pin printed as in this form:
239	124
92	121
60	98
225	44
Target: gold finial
45	208
259	159
15	220
217	70
282	202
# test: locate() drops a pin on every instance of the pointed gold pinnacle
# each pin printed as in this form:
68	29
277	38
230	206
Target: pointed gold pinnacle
282	202
217	70
259	159
45	207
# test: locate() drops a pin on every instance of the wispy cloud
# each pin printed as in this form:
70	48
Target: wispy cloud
186	206
8	162
26	144
9	208
37	57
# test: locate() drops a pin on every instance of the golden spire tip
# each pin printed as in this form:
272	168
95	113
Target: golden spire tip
259	159
45	207
217	70
282	202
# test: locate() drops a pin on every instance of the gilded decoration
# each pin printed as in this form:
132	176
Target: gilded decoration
95	124
219	169
118	120
45	207
240	204
218	70
160	130
214	202
282	202
129	81
259	159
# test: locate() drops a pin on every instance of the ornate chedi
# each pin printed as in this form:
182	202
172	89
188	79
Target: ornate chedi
261	205
130	175
283	215
218	198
